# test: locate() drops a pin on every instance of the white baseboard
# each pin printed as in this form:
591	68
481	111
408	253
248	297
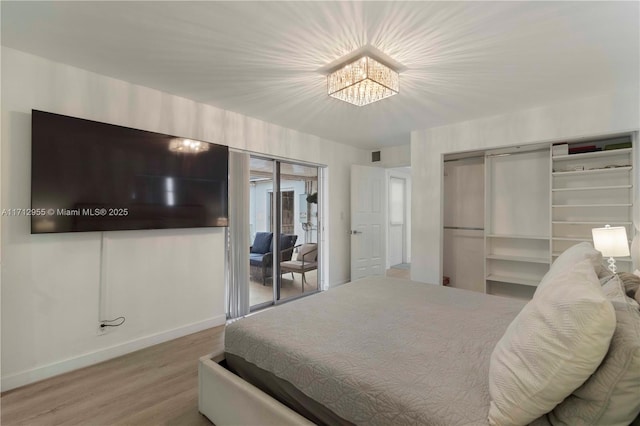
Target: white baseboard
336	284
26	377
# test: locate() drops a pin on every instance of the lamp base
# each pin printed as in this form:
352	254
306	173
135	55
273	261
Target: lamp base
612	264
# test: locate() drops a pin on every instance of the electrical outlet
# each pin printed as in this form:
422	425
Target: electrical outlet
101	330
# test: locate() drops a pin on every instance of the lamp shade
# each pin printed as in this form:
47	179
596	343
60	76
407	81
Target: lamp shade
611	241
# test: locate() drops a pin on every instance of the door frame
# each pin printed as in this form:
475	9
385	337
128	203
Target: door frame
322	231
368	252
404	173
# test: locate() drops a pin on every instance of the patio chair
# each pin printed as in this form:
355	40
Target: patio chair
306	260
261	254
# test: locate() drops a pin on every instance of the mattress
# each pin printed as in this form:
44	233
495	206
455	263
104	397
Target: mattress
382	351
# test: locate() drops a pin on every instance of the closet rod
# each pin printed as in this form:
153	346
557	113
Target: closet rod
489	153
465	158
504	154
464	228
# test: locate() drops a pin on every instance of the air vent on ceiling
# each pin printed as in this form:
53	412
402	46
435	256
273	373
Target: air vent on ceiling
375	156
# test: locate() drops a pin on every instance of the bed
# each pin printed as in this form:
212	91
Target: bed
383	351
375	351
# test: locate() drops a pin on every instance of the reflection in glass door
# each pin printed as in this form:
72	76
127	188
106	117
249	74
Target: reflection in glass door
299	268
287	220
288	213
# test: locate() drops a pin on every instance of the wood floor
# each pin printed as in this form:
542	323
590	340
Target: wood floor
154	386
399	273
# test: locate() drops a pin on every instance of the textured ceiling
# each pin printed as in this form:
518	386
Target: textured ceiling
464	60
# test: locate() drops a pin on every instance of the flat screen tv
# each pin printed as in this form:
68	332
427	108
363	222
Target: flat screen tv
90	176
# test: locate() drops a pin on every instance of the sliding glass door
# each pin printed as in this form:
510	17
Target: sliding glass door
261	185
284	224
299	220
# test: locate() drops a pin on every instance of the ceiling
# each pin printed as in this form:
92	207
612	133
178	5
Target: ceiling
463	60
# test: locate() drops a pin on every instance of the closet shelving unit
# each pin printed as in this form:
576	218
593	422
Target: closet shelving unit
516	222
537	205
507	273
590	190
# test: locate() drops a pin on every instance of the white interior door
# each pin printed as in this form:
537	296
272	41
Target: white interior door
367	221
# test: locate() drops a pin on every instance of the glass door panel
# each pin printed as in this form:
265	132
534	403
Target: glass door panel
261	237
292	270
299	224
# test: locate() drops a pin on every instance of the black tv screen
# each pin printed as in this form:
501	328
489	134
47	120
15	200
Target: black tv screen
90	176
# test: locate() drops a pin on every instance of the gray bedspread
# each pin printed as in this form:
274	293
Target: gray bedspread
383	351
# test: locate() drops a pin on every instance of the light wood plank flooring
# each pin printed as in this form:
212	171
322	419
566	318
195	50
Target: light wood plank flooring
399	273
154	386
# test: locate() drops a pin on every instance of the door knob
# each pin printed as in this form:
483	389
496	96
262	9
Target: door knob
355	232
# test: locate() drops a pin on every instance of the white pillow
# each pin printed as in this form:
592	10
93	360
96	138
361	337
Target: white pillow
554	344
570	257
611	396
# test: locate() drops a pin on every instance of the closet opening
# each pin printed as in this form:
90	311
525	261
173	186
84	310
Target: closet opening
463	220
496	220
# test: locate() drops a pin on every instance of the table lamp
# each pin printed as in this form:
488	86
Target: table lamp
612	242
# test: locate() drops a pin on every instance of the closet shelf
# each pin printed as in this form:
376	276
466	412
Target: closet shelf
579	239
521	237
603	222
592	188
570	193
527	259
515	280
594	171
590	205
596	154
618	259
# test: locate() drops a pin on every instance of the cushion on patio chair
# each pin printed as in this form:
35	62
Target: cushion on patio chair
305	252
256	259
262	243
298	266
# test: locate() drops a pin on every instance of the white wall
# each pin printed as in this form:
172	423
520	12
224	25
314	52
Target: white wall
167	283
592	116
393	156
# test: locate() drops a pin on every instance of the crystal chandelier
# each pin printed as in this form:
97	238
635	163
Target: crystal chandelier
363	81
188	146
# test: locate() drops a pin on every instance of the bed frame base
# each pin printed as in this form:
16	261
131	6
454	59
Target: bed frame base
226	399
